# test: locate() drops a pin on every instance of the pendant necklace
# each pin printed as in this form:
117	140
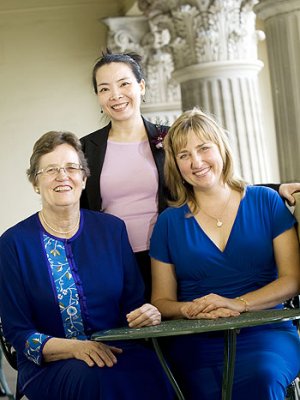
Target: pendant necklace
219	222
56	231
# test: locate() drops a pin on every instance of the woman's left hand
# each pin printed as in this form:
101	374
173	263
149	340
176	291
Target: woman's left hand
146	315
221	312
286	191
212	302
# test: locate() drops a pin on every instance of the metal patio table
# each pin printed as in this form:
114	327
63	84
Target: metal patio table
231	327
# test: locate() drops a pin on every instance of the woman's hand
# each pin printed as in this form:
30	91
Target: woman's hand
86	350
221	312
286	191
212	306
95	353
146	315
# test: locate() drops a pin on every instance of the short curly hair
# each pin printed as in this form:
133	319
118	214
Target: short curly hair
47	143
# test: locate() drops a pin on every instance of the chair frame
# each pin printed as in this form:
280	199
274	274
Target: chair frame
293	390
8	350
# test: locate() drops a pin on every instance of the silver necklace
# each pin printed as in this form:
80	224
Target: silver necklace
219	222
56	231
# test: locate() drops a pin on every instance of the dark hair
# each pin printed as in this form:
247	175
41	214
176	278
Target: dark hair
47	143
133	60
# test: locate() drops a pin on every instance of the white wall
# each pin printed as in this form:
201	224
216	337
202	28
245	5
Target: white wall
46	58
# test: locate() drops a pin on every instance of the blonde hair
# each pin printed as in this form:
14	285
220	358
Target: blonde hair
207	129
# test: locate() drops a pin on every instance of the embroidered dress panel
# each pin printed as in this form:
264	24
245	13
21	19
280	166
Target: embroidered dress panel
67	293
33	347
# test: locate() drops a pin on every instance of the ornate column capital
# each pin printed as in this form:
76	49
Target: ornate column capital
204	31
126	33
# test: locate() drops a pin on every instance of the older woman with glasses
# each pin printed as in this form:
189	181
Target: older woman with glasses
64	274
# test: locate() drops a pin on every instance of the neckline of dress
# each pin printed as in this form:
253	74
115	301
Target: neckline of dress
231	230
113	142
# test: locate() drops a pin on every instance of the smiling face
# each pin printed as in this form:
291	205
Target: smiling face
62	189
200	163
119	92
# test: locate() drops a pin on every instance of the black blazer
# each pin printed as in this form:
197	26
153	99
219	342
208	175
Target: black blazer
94	147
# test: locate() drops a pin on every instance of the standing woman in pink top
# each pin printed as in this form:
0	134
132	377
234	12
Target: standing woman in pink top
126	156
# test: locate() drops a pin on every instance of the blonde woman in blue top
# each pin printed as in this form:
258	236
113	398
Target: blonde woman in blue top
222	249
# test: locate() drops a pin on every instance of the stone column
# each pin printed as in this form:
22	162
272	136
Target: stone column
214	48
136	34
282	27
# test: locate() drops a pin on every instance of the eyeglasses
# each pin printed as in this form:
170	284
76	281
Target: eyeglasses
53	170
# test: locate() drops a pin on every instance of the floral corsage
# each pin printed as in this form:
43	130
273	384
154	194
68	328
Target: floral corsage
159	138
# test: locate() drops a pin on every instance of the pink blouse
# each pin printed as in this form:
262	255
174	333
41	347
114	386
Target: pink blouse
129	185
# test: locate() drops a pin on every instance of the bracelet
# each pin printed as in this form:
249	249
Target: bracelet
245	302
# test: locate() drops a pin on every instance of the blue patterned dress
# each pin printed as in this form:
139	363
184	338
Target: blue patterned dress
70	288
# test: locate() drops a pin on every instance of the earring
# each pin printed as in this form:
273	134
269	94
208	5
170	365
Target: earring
143	99
101	111
37	190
